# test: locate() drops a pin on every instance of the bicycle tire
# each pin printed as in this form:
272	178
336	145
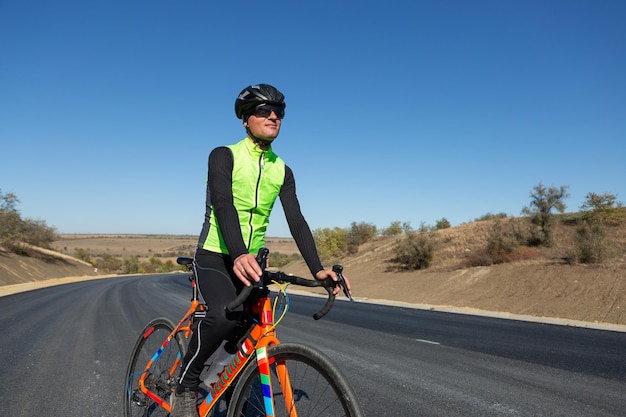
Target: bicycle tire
161	379
319	388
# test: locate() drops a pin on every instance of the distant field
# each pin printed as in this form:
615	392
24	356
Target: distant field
146	246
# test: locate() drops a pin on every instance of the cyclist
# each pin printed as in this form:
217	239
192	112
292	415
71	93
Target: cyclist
243	183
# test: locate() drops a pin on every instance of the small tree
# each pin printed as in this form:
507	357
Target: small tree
360	233
543	201
424	228
38	233
442	224
16	232
603	208
394	229
10	219
331	242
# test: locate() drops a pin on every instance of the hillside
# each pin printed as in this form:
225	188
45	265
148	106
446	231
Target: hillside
542	285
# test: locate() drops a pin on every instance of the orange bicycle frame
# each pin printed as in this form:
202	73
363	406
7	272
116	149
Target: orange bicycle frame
259	338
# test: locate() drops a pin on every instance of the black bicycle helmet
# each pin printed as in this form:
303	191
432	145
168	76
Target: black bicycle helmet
254	95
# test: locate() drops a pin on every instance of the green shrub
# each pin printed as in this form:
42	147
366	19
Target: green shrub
491	216
277	259
82	254
130	265
502	246
108	263
415	251
168	266
591	245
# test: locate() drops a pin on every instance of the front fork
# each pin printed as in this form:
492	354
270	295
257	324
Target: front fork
264	363
267	339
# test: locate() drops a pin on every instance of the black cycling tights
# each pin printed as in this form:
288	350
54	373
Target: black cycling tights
218	286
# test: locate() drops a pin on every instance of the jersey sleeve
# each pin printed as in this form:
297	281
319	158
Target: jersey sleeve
298	226
220	195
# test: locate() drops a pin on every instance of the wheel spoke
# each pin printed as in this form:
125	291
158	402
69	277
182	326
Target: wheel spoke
161	376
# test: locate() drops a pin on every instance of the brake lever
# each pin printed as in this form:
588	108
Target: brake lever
338	269
261	258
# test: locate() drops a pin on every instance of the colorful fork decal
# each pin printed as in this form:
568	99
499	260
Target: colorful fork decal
266	383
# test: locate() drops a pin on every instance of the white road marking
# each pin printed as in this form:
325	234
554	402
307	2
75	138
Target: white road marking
428	341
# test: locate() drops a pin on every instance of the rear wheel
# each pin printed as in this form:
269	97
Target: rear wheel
317	386
162	374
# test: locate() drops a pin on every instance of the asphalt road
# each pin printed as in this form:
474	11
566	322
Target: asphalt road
65	349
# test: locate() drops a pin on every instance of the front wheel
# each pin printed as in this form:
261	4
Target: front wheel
162	374
311	385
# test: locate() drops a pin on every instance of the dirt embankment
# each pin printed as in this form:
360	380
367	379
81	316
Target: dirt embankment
579	293
24	273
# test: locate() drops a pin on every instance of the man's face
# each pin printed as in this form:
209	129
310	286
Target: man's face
263	126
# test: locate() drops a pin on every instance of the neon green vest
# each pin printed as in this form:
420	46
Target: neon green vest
257	179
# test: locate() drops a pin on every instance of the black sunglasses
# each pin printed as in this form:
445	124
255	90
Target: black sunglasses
265	111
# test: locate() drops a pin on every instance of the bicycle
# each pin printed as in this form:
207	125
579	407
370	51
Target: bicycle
263	378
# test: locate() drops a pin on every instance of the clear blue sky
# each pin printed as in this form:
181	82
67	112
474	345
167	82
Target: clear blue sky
404	111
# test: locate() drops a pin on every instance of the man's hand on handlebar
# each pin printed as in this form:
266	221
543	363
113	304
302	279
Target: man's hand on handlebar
250	269
247	269
329	273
